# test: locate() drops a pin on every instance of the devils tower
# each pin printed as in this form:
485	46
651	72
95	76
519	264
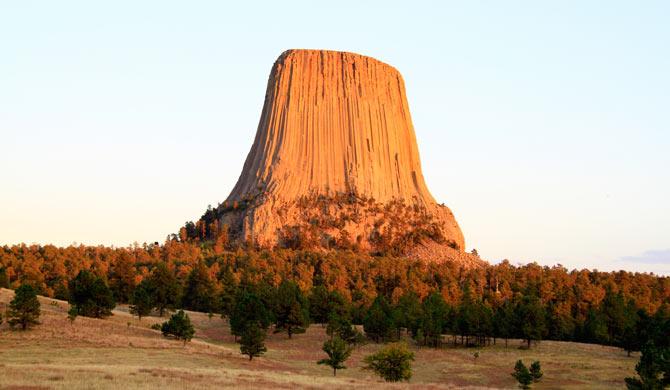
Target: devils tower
334	164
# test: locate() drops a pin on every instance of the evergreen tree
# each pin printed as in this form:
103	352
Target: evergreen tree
252	341
378	323
199	294
522	375
165	289
594	329
653	369
408	312
433	319
228	293
393	363
248	309
319	305
338	352
91	296
292	311
24	309
503	321
531	316
536	371
179	326
142	302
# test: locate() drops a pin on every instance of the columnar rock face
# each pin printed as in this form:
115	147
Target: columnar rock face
335	161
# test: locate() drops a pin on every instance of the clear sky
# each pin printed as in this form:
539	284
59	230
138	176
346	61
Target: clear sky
545	126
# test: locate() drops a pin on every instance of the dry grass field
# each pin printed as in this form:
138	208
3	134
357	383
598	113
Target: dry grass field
121	352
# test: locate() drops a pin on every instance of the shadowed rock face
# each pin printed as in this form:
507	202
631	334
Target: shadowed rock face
335	146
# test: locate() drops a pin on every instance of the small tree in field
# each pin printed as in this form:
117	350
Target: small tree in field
536	371
24	309
179	326
141	302
522	375
72	314
252	341
393	363
338	352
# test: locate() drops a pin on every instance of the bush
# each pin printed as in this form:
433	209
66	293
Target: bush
393	363
179	326
522	375
24	309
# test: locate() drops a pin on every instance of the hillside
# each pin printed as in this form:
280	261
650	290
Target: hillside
122	352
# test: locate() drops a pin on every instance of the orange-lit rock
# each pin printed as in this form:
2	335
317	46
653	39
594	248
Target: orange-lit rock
334	147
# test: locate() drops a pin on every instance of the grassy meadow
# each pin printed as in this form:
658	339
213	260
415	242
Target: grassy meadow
122	352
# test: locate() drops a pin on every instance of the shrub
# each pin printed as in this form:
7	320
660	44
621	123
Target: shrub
522	375
179	326
393	363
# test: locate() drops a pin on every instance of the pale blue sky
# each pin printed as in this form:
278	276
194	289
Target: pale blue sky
545	126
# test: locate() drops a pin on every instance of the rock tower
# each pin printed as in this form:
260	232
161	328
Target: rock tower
335	164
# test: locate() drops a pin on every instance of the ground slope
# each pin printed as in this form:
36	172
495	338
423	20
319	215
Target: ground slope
120	352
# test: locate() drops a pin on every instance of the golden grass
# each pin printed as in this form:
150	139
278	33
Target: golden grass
122	352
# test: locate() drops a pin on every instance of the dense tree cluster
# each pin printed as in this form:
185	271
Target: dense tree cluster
387	295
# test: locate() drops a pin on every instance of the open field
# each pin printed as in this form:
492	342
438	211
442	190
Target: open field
122	352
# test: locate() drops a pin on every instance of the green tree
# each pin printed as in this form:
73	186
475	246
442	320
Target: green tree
248	309
165	289
536	371
503	321
522	375
24	309
433	319
228	293
653	369
407	313
531	316
319	305
378	323
292	311
91	296
393	363
338	352
179	326
200	293
142	302
252	341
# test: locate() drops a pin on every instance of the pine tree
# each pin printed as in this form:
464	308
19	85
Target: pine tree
319	306
252	341
142	302
165	289
248	309
522	375
199	294
338	352
24	309
531	316
378	323
122	278
4	278
536	371
393	363
503	321
228	293
408	312
292	312
91	296
179	326
653	369
433	318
